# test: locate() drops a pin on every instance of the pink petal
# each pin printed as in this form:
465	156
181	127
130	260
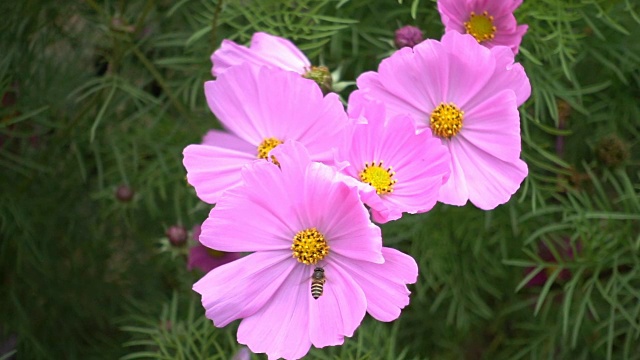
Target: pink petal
211	170
494	126
259	103
418	184
453	14
200	258
512	39
339	311
230	54
499	8
280	52
505	23
490	181
382	211
384	285
255	216
227	98
294	160
340	215
398	101
228	141
513	78
455	191
421	164
467	60
241	288
359	107
265	50
417	64
281	327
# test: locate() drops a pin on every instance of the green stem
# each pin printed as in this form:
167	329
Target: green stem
214	25
163	84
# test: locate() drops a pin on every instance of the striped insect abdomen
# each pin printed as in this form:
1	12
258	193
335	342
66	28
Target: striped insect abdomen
317	282
316	289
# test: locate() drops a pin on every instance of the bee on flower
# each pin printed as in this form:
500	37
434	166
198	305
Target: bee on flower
295	218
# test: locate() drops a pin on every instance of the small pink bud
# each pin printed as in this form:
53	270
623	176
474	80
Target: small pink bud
408	36
124	193
177	235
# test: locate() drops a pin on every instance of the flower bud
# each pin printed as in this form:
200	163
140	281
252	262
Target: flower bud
322	76
124	193
612	150
408	36
177	235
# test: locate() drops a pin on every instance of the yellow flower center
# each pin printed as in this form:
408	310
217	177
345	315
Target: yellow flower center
480	26
446	120
266	146
378	177
309	246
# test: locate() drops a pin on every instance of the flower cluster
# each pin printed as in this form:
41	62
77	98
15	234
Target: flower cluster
297	180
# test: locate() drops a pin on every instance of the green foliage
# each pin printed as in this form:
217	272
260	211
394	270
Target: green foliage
178	334
108	93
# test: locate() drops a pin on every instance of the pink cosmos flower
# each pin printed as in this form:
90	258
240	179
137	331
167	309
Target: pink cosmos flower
265	49
261	108
271	51
468	96
490	22
297	218
399	170
205	259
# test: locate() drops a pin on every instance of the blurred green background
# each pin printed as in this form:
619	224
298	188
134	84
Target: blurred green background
100	97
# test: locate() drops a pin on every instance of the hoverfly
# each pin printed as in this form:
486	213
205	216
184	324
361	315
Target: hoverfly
317	282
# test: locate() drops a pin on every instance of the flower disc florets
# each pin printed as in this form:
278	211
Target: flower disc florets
266	146
481	26
446	120
379	177
309	246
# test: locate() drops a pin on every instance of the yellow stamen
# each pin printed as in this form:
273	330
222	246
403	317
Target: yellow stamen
266	146
309	246
446	120
481	26
378	177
